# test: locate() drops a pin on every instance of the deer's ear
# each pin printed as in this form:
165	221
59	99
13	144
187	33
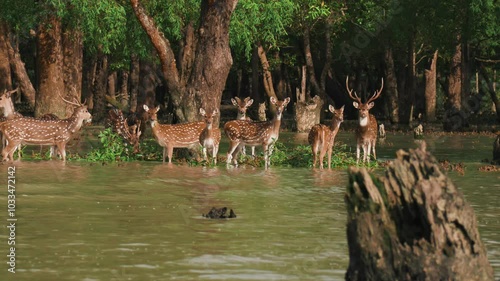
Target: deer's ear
370	105
249	102
235	103
145	107
331	108
273	100
286	101
157	109
342	108
355	104
202	111
216	111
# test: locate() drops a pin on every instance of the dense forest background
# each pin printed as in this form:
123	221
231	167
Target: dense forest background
438	59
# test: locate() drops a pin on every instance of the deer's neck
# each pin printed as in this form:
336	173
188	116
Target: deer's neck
363	122
74	123
334	127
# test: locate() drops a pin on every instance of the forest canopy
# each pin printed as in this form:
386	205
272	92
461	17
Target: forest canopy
439	60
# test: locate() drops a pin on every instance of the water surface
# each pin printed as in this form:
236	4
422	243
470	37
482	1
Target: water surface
142	220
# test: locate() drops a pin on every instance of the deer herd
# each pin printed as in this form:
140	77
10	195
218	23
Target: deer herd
17	130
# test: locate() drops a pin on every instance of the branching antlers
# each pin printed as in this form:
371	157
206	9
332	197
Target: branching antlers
366	132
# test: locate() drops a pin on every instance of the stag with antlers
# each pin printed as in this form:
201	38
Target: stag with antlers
43	132
366	132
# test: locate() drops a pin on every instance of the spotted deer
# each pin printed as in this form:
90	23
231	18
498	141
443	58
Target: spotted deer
243	132
43	132
174	136
242	106
9	112
210	136
322	137
366	132
130	133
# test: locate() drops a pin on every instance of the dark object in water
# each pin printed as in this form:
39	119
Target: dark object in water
496	151
220	213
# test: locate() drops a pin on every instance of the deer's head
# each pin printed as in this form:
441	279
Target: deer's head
81	111
363	108
242	105
209	117
280	106
338	114
151	113
6	103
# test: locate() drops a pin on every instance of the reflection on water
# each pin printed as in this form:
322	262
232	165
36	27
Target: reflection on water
142	221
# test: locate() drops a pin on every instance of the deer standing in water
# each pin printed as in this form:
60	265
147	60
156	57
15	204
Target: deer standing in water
174	136
243	106
243	132
366	132
210	136
26	130
322	137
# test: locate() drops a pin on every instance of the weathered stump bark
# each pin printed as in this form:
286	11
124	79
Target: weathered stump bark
307	114
412	224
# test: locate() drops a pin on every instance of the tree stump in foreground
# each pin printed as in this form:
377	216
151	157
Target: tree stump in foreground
412	224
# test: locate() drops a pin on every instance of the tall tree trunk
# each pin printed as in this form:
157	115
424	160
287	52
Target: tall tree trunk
72	43
5	73
255	92
454	117
50	64
430	89
491	90
391	86
411	82
134	84
123	91
99	89
211	64
267	75
213	58
455	79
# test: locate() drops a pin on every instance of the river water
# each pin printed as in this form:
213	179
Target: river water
143	220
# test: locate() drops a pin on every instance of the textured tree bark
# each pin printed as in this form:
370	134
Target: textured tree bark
72	44
50	69
454	118
5	73
391	86
267	76
430	90
412	224
99	89
491	89
212	60
307	111
134	85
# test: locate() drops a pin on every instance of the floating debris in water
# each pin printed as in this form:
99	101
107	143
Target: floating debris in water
219	213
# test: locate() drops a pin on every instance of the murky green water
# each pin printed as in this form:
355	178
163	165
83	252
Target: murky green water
142	221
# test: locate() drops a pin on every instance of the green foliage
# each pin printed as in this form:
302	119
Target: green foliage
113	148
260	20
300	156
